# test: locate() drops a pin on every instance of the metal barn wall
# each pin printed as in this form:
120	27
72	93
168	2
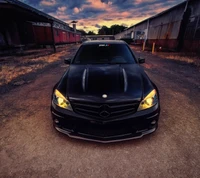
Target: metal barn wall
140	32
166	25
63	34
78	37
72	37
25	26
192	34
9	34
26	33
164	28
177	28
42	34
141	26
60	36
128	32
121	35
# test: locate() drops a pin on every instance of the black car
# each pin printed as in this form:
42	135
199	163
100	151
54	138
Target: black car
105	95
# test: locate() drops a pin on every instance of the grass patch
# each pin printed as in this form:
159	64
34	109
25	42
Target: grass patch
184	57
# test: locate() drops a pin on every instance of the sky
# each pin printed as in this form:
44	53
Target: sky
93	14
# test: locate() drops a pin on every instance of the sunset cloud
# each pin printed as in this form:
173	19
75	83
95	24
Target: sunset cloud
48	2
62	9
76	10
92	14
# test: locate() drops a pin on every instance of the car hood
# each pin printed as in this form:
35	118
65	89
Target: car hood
118	82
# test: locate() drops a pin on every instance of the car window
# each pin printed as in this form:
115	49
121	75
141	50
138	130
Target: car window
104	54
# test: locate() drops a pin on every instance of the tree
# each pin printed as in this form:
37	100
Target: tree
82	32
104	30
114	29
91	33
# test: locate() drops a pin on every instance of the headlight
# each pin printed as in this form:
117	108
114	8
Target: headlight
61	101
149	101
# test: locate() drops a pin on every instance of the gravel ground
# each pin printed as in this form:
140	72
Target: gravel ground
30	147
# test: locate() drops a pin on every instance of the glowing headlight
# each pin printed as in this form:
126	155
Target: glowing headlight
149	101
61	101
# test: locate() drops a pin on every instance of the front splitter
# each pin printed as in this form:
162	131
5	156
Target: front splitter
128	136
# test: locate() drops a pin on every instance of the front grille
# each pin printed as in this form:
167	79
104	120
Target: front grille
105	130
104	110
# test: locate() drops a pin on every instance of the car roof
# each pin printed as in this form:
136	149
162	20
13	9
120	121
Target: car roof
103	42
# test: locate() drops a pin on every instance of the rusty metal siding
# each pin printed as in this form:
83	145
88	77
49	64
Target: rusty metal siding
193	26
166	25
192	46
164	28
141	27
153	32
164	31
172	15
121	35
140	30
173	29
192	33
195	7
39	34
167	44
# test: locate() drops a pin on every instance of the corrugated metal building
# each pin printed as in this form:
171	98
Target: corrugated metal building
177	28
164	28
192	33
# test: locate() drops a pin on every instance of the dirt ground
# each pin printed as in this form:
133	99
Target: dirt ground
30	146
15	69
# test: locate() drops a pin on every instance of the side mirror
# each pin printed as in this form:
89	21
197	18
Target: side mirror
141	60
67	61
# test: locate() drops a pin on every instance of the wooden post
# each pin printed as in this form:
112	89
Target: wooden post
53	40
153	48
143	47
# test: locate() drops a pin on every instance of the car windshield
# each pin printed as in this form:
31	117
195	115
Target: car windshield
104	54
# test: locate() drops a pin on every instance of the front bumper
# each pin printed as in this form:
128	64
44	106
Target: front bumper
129	127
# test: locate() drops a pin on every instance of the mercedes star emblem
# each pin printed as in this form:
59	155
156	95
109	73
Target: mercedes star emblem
104	96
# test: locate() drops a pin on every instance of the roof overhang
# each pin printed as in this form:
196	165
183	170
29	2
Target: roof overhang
17	11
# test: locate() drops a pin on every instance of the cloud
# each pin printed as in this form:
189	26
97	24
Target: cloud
76	10
62	9
109	19
74	3
105	1
124	24
97	26
92	14
48	2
